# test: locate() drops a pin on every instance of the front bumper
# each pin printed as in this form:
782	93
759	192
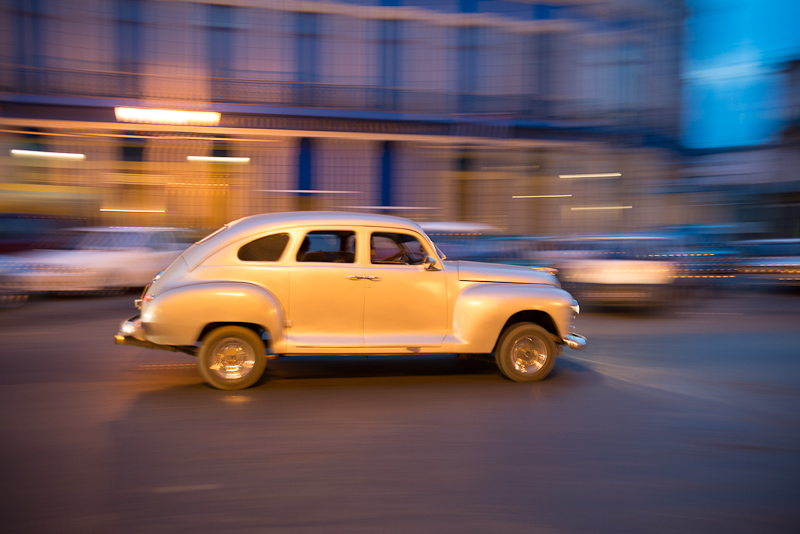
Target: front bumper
131	333
575	341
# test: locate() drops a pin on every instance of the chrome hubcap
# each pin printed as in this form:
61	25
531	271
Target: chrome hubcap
232	359
528	354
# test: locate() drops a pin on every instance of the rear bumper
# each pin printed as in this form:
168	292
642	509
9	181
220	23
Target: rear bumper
130	329
131	333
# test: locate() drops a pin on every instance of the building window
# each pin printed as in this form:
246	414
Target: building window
29	41
129	45
468	56
219	50
129	35
306	34
390	58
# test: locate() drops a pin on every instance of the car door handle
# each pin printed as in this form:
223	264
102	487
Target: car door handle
356	277
370	277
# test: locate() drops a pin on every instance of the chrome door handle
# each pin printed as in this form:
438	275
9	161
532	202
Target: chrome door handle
370	277
356	277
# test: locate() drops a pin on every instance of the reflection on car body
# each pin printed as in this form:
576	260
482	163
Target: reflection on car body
340	283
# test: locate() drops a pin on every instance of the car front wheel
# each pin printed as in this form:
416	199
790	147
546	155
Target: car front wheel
526	353
231	357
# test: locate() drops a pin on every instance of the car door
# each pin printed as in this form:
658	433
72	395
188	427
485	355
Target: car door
405	304
326	294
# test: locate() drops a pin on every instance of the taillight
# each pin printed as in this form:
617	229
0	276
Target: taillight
145	297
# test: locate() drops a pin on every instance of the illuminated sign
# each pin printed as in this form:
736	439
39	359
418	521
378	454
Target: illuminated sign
168	116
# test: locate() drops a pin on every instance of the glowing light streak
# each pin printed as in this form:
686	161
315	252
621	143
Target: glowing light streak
309	191
589	208
389	208
218	159
598	175
51	155
541	196
168	116
132	211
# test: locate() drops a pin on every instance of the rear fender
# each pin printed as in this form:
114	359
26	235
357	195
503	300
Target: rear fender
178	316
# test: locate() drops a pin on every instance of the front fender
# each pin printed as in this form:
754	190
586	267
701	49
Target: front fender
482	310
178	316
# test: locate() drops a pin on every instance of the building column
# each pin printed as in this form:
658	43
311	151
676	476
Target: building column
305	175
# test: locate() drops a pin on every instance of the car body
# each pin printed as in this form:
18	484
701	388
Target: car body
329	283
90	259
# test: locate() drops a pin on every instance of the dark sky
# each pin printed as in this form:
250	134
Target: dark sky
735	50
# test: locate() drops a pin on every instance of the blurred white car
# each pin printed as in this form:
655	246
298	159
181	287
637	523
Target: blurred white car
93	259
613	270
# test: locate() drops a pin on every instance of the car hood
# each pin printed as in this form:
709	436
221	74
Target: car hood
473	271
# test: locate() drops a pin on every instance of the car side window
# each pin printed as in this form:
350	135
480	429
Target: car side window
328	246
398	249
267	248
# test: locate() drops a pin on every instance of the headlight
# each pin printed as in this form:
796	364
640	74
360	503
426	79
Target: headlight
575	307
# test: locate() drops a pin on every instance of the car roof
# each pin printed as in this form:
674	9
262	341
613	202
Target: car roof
247	226
289	219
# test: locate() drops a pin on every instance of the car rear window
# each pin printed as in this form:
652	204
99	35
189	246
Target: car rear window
267	248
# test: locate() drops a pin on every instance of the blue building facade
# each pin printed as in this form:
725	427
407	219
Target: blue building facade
536	117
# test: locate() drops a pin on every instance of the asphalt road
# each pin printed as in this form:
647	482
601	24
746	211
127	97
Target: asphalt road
685	421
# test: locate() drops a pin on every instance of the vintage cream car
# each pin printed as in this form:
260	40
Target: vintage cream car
317	283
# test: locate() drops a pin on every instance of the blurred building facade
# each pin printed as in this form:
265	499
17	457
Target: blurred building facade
540	118
755	188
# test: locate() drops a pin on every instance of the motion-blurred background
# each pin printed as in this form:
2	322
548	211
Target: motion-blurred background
518	131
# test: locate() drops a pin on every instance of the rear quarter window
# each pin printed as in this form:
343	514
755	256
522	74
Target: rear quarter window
267	248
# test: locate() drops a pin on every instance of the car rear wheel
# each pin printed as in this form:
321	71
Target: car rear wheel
526	353
231	357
